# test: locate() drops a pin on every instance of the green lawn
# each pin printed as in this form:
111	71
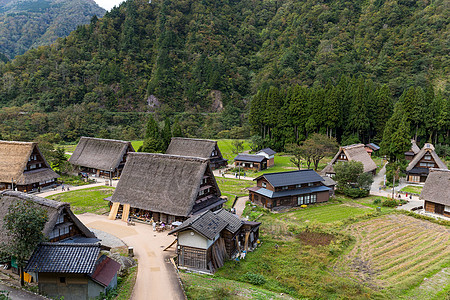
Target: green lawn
136	144
86	200
233	187
226	148
412	189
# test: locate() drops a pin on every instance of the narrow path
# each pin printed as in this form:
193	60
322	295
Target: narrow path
240	205
19	294
156	277
217	174
58	190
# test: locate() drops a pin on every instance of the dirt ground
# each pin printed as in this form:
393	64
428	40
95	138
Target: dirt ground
156	277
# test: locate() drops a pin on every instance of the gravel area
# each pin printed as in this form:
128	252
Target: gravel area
107	239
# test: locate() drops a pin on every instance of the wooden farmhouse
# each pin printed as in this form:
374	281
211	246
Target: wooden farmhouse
269	154
100	157
197	148
206	240
289	189
251	162
62	224
356	152
409	155
165	187
423	161
72	271
370	148
436	192
24	166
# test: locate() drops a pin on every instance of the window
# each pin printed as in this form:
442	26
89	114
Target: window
300	200
427	157
307	199
62	280
264	184
284	187
313	198
298	186
310	184
60	219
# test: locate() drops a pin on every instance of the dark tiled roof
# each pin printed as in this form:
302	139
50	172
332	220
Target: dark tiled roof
268	151
328	181
233	221
286	193
250	157
292	178
418	171
105	270
206	224
64	258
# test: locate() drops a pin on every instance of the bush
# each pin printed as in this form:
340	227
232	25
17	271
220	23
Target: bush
256	279
355	192
377	201
390	203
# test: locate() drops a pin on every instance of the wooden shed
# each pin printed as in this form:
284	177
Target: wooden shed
269	154
23	167
251	162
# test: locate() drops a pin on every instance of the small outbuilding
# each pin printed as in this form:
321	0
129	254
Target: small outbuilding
436	192
356	152
289	189
251	162
23	167
205	241
269	154
101	157
423	161
371	147
207	149
409	155
72	271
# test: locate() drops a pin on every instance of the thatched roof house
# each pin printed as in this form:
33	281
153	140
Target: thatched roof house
100	156
23	163
61	224
436	192
169	187
197	148
356	152
425	159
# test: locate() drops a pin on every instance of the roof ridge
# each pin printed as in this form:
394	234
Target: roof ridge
287	172
17	142
35	199
439	170
170	156
106	140
70	244
193	139
352	146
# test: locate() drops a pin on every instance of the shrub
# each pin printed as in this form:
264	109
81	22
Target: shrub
390	203
355	192
256	279
377	201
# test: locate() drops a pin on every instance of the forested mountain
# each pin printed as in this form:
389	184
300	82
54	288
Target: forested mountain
26	24
177	56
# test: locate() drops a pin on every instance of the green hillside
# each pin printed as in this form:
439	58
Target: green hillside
32	23
196	57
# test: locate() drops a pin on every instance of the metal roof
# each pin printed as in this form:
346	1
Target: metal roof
250	157
373	146
268	151
292	177
64	258
286	193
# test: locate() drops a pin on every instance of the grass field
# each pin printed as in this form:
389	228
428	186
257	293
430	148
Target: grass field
233	187
395	253
226	148
412	189
86	200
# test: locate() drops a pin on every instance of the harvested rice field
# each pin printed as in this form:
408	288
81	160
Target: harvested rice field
398	255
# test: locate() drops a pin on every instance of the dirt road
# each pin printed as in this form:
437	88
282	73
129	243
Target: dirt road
156	278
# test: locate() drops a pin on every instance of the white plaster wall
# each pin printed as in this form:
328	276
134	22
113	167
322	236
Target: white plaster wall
185	238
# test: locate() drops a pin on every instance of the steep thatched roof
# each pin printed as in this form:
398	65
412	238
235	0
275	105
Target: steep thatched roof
355	152
191	147
162	183
414	148
53	208
427	149
101	154
14	157
437	187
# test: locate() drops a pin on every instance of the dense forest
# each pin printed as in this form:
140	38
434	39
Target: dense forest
204	63
26	24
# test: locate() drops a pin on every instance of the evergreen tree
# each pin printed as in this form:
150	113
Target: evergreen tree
384	109
359	121
166	134
177	132
152	129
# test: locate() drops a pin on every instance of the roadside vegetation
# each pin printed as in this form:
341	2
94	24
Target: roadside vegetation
412	189
86	200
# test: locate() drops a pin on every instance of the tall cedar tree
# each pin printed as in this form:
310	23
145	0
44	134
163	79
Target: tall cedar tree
24	224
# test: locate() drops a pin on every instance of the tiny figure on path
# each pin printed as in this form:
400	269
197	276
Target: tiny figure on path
63	189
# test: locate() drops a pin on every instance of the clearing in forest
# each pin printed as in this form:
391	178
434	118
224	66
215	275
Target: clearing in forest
395	252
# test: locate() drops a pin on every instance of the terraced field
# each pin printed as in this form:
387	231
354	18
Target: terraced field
396	252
